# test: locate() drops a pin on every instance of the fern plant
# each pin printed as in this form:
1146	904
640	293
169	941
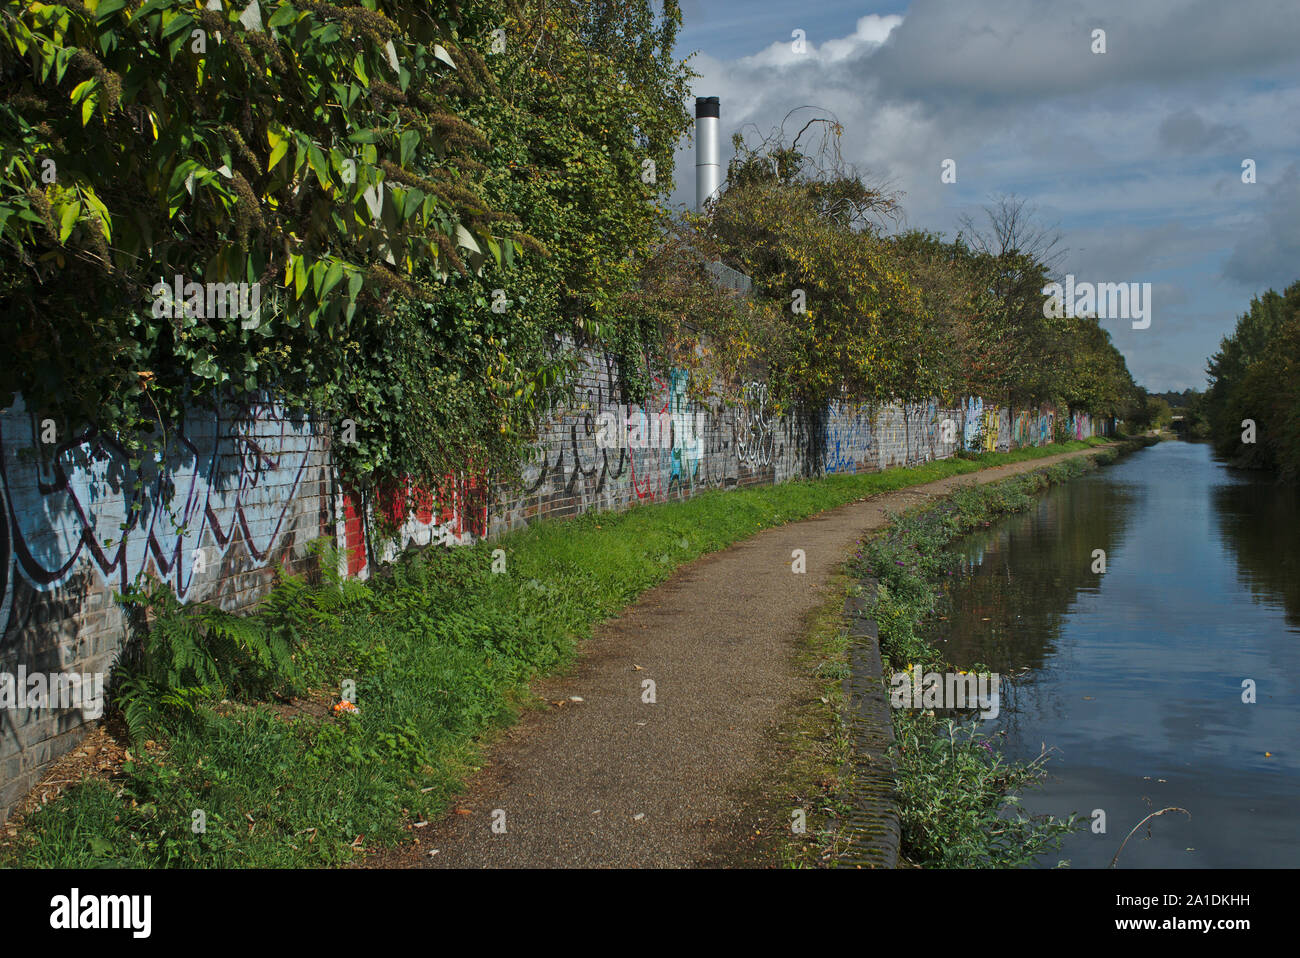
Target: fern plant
182	655
197	645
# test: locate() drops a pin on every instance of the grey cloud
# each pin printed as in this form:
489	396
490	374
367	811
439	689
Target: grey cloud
1186	132
1268	253
1016	50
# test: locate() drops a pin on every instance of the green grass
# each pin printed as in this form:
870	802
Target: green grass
441	652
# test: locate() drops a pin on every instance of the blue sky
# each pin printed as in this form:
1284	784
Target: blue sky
1133	155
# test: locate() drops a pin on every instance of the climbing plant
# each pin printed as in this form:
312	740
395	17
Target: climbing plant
273	143
376	172
581	106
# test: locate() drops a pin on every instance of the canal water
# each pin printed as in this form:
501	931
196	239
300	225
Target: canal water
1135	675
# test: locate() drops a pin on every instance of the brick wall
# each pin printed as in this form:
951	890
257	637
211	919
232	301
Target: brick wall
238	491
241	490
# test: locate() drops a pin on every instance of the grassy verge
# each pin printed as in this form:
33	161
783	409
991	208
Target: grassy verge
819	744
440	651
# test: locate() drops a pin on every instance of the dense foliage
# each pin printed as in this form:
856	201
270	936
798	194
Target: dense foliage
378	168
290	146
1255	379
843	310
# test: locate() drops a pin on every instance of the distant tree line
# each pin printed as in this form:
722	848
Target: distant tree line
1253	401
844	309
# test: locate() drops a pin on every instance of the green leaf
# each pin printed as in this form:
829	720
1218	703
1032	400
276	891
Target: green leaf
320	166
277	154
68	220
91	200
285	14
407	143
177	24
61	61
150	7
332	277
413	200
81	89
107	8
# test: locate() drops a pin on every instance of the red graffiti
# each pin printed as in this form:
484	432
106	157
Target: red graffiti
354	531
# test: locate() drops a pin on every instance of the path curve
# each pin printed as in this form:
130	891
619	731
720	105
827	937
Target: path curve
615	782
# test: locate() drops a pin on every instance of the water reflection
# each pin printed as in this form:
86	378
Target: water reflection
1258	521
1135	676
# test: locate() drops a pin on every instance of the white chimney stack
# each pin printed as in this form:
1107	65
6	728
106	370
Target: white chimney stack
708	170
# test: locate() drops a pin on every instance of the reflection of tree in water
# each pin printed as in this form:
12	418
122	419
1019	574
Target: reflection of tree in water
1005	607
1259	521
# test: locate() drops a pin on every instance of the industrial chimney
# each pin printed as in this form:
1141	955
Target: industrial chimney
708	170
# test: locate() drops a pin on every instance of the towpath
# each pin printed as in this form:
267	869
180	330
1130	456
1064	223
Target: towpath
614	781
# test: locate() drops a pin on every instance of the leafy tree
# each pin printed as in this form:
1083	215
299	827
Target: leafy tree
1255	376
1094	376
277	144
846	322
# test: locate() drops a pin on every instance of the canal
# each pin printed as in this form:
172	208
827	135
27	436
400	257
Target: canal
1135	675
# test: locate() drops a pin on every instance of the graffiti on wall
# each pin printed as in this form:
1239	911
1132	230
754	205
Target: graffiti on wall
696	445
235	475
754	425
848	443
972	414
225	475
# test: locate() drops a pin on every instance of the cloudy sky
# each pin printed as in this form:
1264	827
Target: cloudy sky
1134	155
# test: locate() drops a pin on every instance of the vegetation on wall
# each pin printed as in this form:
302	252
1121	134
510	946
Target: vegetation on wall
439	205
379	169
301	147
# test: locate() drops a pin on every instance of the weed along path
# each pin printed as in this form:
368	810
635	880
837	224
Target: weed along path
646	750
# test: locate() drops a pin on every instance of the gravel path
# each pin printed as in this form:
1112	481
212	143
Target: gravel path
614	781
